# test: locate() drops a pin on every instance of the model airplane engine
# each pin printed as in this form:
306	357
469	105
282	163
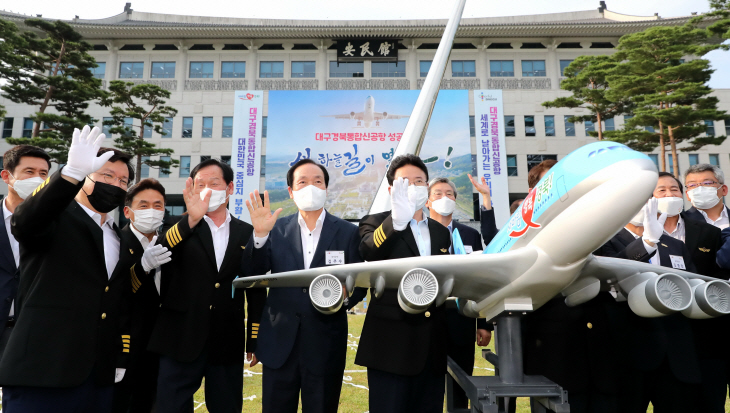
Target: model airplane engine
417	290
711	299
385	115
660	295
325	291
352	115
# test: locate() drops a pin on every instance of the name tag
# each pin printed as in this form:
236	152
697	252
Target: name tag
677	262
334	257
468	249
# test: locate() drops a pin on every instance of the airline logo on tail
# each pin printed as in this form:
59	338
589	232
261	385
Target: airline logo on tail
527	209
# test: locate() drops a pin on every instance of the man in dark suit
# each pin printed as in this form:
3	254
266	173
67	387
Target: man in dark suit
303	351
201	325
71	339
405	353
441	205
144	206
706	189
26	167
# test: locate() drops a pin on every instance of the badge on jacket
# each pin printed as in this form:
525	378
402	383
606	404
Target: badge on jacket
677	262
334	257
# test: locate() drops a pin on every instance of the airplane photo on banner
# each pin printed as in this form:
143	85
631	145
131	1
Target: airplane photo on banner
367	116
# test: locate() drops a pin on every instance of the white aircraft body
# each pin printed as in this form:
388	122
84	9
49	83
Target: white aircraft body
544	250
368	115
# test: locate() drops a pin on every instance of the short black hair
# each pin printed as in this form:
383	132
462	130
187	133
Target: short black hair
225	168
290	172
663	174
147	183
401	161
12	156
120	156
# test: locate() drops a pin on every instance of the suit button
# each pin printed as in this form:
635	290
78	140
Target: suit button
304	290
211	307
106	289
589	325
217	285
427	314
160	305
103	316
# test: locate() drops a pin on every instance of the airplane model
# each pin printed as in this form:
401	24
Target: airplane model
368	115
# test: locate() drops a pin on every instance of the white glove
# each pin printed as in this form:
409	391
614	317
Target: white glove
82	159
653	226
402	209
155	255
119	375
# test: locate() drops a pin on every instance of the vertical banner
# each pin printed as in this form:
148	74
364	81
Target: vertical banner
246	149
491	149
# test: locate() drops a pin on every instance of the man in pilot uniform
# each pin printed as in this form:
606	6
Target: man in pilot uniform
405	354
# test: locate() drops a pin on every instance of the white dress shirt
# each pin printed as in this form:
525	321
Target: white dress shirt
14	245
722	222
422	236
145	243
220	237
678	232
310	239
111	240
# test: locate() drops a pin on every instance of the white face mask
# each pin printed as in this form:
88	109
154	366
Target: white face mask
217	199
147	220
418	195
704	197
670	205
638	219
444	206
25	187
310	198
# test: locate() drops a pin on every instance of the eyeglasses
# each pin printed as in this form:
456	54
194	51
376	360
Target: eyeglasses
699	184
111	180
419	182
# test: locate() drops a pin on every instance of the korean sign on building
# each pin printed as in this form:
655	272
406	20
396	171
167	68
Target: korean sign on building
349	50
491	149
246	149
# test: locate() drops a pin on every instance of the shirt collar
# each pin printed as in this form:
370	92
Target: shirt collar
97	216
142	238
680	226
6	211
318	224
210	221
723	214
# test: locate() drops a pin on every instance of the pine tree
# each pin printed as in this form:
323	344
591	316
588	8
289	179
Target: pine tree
150	112
51	71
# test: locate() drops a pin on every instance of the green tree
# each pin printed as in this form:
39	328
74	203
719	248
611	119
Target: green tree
150	112
586	78
50	71
666	81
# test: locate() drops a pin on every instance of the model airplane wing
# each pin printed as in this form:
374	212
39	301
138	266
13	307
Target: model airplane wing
351	115
386	115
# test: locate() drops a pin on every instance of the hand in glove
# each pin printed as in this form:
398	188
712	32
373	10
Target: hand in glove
402	209
155	255
82	159
653	226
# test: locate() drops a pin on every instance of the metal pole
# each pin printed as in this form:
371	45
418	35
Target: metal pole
509	349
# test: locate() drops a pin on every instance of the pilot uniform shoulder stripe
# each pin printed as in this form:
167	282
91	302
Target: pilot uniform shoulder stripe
176	234
168	236
125	336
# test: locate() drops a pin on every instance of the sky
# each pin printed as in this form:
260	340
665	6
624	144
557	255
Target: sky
370	9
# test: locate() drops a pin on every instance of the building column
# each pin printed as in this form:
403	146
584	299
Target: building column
252	66
112	63
413	70
483	64
322	66
181	67
552	66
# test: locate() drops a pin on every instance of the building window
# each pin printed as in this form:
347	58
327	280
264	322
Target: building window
710	127
649	129
388	69
99	70
569	126
533	160
472	127
145	170
187	129
501	68
227	127
204	158
207	127
7	128
201	70
509	126
694	159
162	174
233	69
563	65
424	67
715	159
264	126
184	166
511	165
147	131
129	124
530	126
671	163
302	69
533	68
590	127
349	69
226	159
271	69
463	68
549	125
27	127
654	158
263	166
167	128
131	70
610	124
105	128
163	70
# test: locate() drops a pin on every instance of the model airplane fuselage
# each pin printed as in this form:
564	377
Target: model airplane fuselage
367	116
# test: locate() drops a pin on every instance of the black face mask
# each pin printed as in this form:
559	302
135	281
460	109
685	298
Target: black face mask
106	197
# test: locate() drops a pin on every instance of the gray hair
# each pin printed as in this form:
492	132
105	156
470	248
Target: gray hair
706	167
435	181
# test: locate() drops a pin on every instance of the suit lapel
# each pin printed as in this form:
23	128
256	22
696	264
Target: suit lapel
206	238
438	242
691	234
293	233
129	249
330	228
235	233
7	250
96	232
411	240
625	237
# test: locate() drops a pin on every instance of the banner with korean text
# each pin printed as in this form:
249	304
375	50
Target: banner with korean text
353	133
246	149
491	150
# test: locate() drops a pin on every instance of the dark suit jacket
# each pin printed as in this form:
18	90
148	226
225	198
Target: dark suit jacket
289	312
72	318
488	225
198	312
8	273
695	215
391	339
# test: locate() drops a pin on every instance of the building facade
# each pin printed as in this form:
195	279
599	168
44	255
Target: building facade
203	60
